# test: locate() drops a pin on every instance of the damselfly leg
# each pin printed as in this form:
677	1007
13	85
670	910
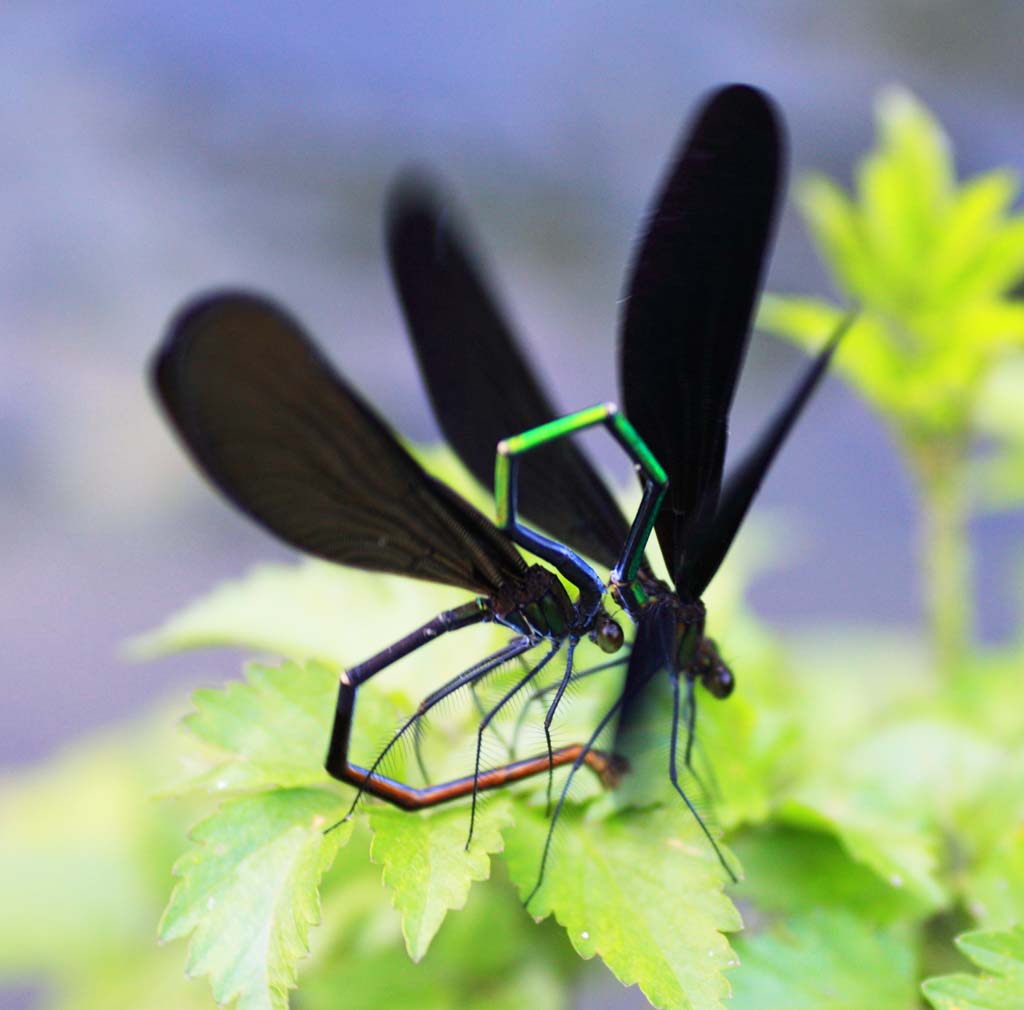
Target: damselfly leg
506	485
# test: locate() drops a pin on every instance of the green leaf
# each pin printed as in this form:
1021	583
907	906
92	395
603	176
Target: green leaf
898	851
893	795
842	682
868	356
1001	955
426	864
272	729
832	217
999	476
68	903
275	725
994	885
905	188
922	768
248	892
825	960
641	890
792	871
975	214
990	839
489	955
306	610
931	265
997	951
964	244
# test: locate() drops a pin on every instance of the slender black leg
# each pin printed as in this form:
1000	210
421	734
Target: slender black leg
573	568
549	717
690	710
673	775
417	746
548	688
482	712
471	613
576	765
507	697
711	787
690	718
364	778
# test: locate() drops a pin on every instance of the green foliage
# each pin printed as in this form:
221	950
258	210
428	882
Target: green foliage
647	901
840	791
933	268
826	960
428	868
272	730
248	892
870	781
268	731
868	800
489	955
930	265
258	860
1001	956
794	871
998	476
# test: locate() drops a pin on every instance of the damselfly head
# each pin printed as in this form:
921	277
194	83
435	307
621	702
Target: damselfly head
709	666
608	634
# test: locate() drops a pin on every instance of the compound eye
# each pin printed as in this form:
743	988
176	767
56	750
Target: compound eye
719	681
609	636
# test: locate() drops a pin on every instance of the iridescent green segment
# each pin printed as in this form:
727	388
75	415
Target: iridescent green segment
559	428
631	594
625	434
654	492
640	452
502	487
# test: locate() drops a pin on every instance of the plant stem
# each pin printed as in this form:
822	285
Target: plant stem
945	554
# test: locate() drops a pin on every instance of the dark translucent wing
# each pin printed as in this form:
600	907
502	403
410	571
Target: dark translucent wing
481	386
708	546
651	655
690	298
286	439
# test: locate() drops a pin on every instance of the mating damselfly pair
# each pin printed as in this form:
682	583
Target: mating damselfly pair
294	446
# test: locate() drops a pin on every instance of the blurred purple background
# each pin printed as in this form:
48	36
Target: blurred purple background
154	149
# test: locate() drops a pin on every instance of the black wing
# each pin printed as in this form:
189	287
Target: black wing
286	439
690	298
481	386
708	545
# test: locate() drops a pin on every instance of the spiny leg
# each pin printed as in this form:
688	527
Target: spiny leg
482	712
548	688
550	715
607	768
690	711
712	787
690	718
576	765
364	778
674	778
474	612
417	746
507	697
417	732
